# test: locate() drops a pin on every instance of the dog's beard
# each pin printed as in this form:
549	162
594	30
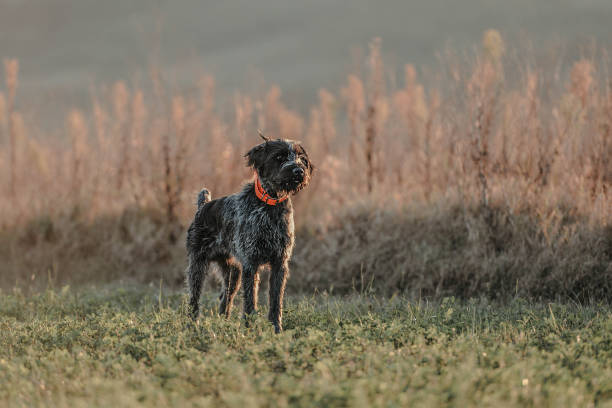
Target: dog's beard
293	184
287	185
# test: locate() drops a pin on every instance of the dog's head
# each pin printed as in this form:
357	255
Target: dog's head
282	165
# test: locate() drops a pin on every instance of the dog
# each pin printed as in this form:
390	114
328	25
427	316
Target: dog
249	230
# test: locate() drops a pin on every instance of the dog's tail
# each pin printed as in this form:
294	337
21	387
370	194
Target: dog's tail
204	197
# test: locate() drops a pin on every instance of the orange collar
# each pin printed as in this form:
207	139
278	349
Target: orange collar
265	197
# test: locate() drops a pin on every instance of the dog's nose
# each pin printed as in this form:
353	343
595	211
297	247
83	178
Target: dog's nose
298	171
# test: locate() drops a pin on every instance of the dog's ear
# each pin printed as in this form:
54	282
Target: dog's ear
311	166
256	156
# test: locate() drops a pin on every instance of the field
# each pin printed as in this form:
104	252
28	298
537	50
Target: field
454	247
134	346
494	181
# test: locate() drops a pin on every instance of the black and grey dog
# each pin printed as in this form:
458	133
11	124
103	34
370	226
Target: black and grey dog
248	230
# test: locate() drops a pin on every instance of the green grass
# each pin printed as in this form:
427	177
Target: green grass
130	347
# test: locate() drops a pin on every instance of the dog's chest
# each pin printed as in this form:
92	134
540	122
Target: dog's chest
266	234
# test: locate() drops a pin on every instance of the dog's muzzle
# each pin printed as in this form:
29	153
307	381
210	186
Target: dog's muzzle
296	171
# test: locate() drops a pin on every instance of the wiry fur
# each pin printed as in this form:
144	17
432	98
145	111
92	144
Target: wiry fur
242	234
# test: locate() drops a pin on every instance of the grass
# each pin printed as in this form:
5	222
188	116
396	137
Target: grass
134	347
488	176
411	250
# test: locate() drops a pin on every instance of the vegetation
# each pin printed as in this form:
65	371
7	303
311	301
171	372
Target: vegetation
135	347
489	176
454	248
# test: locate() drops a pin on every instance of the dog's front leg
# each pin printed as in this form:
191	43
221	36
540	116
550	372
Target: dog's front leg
232	275
248	285
278	281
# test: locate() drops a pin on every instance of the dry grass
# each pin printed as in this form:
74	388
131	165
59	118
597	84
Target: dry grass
493	180
451	251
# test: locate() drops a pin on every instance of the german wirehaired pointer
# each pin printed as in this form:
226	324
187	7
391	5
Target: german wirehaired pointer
248	230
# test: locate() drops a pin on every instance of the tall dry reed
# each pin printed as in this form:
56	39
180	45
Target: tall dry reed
487	134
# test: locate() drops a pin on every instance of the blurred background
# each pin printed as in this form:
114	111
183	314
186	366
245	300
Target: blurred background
463	147
67	46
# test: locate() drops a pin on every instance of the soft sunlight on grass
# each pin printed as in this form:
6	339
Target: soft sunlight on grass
132	347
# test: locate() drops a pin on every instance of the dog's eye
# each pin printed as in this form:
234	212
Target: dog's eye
280	158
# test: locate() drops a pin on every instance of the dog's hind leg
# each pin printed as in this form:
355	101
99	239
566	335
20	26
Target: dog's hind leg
196	273
231	283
